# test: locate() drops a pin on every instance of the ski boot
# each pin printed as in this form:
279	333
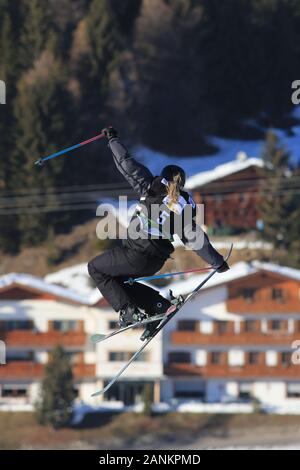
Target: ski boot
177	301
161	307
223	268
130	314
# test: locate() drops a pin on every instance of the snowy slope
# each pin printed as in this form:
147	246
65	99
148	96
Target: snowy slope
228	149
155	161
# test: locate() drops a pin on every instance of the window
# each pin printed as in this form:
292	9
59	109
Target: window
129	392
275	325
187	325
222	327
65	325
245	390
189	389
11	325
16	356
249	294
293	390
277	295
286	359
14	392
119	356
123	356
181	357
143	357
189	394
250	325
253	357
215	357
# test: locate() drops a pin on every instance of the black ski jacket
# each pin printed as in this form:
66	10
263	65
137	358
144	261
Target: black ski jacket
158	228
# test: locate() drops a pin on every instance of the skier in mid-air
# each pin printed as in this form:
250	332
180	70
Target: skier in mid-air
145	256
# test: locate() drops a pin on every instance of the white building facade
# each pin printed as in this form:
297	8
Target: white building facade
236	340
35	316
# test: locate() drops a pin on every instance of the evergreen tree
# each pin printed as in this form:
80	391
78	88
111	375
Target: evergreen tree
37	31
55	404
9	71
103	40
292	257
43	108
98	40
169	76
148	400
10	23
104	37
278	197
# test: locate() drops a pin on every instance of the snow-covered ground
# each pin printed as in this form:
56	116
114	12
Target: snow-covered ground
295	446
228	149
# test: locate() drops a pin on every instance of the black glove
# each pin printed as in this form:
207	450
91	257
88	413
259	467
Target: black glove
223	268
110	132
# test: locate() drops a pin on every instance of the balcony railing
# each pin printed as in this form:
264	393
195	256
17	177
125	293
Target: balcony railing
226	371
265	306
257	338
39	339
30	370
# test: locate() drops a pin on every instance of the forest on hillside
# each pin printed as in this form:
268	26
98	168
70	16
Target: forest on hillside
168	73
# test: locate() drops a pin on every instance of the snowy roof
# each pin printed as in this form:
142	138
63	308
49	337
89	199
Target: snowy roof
285	271
39	284
221	171
75	278
236	271
185	286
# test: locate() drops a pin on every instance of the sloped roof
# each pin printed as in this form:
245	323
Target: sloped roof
183	286
236	271
220	171
40	285
75	277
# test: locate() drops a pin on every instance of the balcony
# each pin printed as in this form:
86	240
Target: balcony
232	339
225	371
264	305
81	371
48	339
27	370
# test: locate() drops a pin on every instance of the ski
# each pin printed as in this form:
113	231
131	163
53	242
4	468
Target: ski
159	328
97	338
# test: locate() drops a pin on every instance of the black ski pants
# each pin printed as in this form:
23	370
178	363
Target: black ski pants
109	271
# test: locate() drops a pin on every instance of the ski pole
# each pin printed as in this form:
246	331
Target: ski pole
160	276
41	161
